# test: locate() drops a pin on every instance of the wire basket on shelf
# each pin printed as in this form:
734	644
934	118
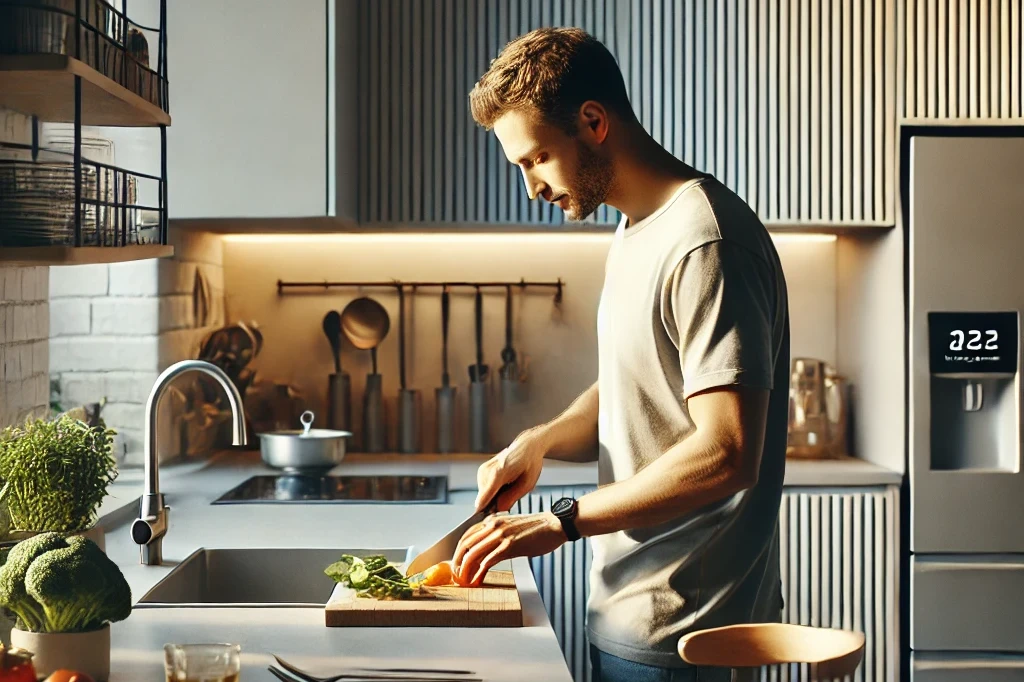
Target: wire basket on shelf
37	200
106	40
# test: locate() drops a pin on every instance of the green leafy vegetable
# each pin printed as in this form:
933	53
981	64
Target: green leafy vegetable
56	473
371	576
57	584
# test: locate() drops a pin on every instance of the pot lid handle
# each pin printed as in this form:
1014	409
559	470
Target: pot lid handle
307	421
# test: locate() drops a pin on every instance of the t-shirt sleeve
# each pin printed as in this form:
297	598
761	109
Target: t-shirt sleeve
718	308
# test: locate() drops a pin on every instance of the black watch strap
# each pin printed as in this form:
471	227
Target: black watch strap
565	510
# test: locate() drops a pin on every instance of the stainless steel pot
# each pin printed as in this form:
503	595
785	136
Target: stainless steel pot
305	451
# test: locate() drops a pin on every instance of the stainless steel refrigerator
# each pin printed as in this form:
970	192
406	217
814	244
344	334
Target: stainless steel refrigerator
963	197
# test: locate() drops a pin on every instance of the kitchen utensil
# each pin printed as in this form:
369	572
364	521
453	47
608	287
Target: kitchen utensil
479	438
495	603
445	394
332	329
361	673
479	372
208	662
817	411
509	371
408	399
287	676
306	451
339	388
365	324
444	549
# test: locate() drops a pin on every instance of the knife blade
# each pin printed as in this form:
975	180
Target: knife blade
444	549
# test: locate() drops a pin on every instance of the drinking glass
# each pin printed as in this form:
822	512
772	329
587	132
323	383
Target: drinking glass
202	662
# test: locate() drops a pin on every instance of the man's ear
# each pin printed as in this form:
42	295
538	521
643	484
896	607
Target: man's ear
593	121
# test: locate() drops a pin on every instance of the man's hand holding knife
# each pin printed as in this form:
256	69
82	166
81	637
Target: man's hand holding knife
505	478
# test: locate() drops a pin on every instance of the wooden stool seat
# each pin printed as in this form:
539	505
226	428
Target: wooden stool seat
832	653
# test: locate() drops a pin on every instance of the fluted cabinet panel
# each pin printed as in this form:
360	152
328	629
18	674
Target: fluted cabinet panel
789	102
961	59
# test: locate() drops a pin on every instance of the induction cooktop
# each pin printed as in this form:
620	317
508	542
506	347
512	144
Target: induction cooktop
306	489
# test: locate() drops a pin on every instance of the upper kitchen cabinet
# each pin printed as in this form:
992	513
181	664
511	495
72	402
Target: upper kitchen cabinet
250	109
962	60
791	103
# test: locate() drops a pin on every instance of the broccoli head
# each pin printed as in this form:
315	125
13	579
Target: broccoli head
70	586
12	579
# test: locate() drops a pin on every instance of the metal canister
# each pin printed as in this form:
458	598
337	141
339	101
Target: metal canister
339	401
479	433
409	421
373	415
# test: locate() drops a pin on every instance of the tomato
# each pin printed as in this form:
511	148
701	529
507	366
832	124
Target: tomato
68	676
16	665
438	575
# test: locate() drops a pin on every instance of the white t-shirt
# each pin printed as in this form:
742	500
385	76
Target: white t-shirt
694	298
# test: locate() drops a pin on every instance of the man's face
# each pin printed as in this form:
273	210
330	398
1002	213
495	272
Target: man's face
569	171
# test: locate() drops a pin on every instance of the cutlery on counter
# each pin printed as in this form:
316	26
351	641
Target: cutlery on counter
445	394
339	388
408	399
354	674
365	324
479	439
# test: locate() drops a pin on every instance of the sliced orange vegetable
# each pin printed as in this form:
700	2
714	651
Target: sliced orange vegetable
461	580
438	575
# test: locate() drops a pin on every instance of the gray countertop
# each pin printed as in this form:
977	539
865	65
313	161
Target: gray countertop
299	634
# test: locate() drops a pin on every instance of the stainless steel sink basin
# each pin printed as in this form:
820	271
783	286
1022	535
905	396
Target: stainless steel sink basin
253	577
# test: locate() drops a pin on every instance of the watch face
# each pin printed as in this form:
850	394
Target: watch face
561	506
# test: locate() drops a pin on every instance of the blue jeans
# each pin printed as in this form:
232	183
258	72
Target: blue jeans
608	668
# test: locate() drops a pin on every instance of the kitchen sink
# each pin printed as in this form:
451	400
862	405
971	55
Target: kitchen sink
254	577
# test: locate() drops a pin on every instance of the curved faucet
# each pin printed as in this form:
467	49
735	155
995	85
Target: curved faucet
149	529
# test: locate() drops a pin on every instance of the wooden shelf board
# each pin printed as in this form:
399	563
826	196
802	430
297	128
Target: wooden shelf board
83	255
44	85
837	228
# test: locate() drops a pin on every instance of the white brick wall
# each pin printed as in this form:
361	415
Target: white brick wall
24	320
79	280
70	317
115	327
24	327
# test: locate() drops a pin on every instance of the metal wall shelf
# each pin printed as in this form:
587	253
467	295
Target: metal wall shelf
89	66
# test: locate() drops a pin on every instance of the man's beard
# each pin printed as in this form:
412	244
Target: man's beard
594	176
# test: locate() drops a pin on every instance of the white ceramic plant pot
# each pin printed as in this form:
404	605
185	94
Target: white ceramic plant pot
87	652
94	532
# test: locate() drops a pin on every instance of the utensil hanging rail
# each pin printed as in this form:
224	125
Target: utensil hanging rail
557	285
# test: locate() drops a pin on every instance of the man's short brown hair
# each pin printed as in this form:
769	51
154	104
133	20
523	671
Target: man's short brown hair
554	71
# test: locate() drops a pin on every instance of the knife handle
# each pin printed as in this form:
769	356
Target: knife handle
492	506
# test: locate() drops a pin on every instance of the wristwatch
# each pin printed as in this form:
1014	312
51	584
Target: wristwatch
565	510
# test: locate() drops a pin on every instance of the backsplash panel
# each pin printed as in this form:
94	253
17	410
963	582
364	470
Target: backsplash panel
558	342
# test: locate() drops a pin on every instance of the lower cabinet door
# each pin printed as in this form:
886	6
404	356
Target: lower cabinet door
950	667
967	603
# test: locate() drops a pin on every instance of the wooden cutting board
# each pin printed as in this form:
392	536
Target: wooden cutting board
494	604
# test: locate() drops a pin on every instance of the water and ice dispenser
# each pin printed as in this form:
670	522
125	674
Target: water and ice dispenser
974	396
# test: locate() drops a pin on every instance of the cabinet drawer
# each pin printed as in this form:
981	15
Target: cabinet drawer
945	667
964	603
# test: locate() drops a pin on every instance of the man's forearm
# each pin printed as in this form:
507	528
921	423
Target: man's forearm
694	473
572	435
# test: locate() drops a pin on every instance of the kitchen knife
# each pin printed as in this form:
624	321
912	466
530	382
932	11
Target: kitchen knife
444	549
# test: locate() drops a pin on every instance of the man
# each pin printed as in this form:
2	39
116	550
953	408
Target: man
687	419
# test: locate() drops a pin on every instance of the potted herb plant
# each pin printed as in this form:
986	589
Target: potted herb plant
64	592
55	474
